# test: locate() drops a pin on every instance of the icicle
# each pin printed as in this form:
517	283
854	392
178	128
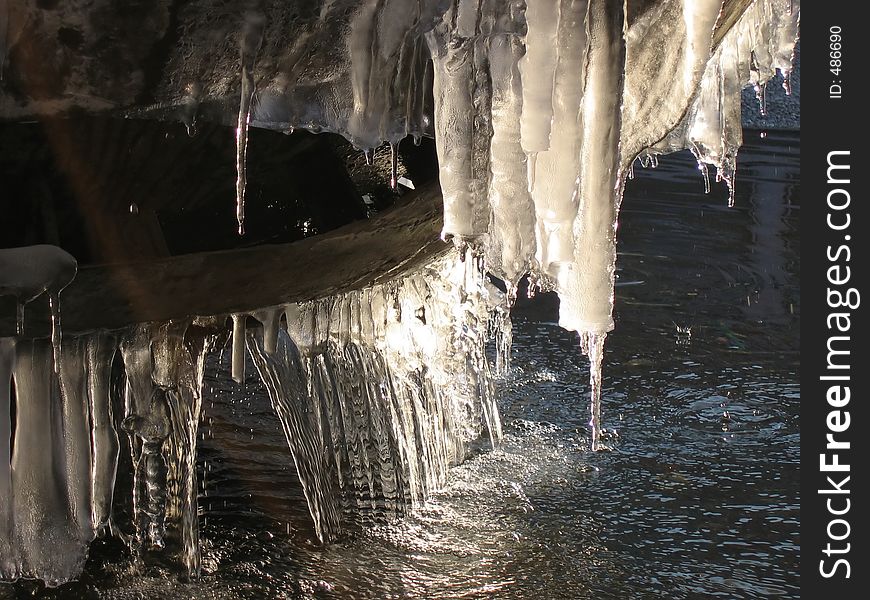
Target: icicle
164	370
56	335
511	244
461	97
179	359
592	345
238	365
280	372
8	561
252	38
453	119
586	287
699	17
702	167
537	68
75	411
270	318
367	153
106	447
49	541
503	333
554	189
394	166
151	427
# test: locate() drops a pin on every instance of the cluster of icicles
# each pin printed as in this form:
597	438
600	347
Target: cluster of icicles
378	390
541	109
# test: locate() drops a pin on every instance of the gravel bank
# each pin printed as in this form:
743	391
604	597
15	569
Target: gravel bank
783	111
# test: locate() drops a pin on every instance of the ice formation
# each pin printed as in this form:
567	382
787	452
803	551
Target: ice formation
379	391
540	110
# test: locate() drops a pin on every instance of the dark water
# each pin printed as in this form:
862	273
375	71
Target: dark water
699	497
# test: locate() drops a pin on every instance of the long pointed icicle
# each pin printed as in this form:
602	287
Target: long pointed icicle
8	566
394	166
587	288
592	345
252	38
56	332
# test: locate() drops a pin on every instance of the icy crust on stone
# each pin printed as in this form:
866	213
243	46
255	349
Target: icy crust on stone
28	272
554	97
354	67
379	391
525	96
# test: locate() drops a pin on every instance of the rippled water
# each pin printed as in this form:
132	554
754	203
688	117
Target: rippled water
698	498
